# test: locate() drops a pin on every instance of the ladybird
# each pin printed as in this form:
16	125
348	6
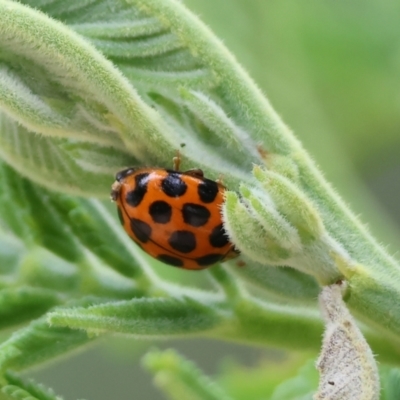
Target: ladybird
174	216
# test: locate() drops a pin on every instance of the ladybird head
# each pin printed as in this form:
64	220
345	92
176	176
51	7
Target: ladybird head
121	175
119	178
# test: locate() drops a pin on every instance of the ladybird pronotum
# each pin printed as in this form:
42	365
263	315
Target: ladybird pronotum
174	216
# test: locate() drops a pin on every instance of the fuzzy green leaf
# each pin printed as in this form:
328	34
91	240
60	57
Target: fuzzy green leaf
150	317
78	95
286	283
41	268
171	84
300	387
27	212
289	229
179	379
292	203
22	304
57	163
65	226
11	253
390	383
273	324
259	381
19	389
38	342
182	79
97	229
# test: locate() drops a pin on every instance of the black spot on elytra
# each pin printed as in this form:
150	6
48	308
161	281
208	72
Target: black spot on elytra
167	259
218	237
135	196
141	230
207	191
160	211
120	216
183	241
195	215
209	259
173	185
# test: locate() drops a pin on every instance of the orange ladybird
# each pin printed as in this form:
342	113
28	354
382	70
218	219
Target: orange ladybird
174	216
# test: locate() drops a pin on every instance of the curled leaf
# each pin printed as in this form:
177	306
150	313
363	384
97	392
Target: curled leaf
346	364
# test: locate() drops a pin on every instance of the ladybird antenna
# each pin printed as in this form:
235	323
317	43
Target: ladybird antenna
177	161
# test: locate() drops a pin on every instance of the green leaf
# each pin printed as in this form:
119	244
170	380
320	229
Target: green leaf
166	55
179	379
67	227
38	342
271	323
19	389
147	317
289	228
79	95
260	380
36	221
390	383
292	203
11	253
41	268
300	387
97	229
69	118
57	163
22	304
285	283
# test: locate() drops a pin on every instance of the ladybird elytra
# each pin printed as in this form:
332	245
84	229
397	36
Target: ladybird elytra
174	216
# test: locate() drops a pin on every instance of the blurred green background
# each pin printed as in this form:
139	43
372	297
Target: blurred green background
330	69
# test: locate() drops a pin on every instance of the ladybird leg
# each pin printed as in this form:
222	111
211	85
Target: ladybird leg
195	172
233	252
177	161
